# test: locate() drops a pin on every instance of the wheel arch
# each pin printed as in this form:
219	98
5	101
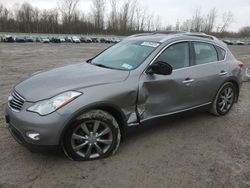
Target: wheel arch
236	83
112	109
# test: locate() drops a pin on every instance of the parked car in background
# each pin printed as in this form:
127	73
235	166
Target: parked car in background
86	108
62	39
55	40
228	42
20	39
115	40
68	39
238	42
86	40
108	40
28	39
8	38
45	40
102	40
75	39
95	39
38	39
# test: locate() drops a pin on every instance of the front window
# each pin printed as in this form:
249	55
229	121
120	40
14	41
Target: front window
176	55
125	56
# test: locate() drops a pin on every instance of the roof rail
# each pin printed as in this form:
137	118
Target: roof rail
203	35
193	34
140	35
156	32
169	32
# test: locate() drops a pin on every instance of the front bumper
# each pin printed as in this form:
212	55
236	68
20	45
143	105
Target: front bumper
49	127
32	147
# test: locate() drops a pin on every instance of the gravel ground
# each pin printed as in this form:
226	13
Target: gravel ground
190	150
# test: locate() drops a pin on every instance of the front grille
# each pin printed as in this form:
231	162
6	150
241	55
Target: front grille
16	101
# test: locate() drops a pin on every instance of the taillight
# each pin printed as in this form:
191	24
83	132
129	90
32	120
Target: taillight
241	64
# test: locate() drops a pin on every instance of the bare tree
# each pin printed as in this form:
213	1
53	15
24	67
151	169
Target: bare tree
113	18
197	21
98	9
227	20
68	9
209	21
169	28
158	26
245	31
150	19
25	17
124	16
186	25
200	22
177	25
4	16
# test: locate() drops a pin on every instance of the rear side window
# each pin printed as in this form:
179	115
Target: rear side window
205	53
176	55
221	53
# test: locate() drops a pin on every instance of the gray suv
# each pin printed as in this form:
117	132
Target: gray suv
86	108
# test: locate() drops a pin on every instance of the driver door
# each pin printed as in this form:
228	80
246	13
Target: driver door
167	94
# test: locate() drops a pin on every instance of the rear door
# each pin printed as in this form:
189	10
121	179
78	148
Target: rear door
209	71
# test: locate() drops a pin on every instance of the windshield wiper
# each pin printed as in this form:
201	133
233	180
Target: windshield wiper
101	65
89	61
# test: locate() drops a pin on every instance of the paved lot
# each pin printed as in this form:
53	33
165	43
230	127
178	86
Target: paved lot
191	150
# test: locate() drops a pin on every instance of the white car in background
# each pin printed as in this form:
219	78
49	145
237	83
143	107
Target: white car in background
238	42
75	39
45	40
62	39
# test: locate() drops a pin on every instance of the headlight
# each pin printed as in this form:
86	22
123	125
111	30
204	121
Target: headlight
48	106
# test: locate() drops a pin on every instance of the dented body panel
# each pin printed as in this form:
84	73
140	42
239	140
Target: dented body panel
164	94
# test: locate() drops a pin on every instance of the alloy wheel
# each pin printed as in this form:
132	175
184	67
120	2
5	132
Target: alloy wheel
226	99
91	139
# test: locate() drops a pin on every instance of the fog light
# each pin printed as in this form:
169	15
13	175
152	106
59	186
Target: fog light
33	135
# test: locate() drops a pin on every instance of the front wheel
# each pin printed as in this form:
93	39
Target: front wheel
224	99
93	135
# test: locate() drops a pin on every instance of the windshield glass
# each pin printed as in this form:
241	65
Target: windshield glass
125	56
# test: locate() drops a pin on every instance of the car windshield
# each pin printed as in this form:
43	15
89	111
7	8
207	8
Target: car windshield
126	55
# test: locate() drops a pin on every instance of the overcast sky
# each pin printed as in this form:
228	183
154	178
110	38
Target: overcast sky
170	10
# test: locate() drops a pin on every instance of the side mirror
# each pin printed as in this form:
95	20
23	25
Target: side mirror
160	68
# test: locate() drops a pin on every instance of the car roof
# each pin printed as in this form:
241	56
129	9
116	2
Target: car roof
161	37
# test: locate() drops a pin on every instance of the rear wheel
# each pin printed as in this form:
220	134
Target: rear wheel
93	135
224	99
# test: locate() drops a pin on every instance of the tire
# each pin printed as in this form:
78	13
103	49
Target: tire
93	135
224	100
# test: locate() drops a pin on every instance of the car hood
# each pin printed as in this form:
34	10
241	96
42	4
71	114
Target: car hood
47	84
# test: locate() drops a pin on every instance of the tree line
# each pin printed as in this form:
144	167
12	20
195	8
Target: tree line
122	18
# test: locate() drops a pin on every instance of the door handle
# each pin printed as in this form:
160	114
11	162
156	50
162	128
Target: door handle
188	81
223	73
